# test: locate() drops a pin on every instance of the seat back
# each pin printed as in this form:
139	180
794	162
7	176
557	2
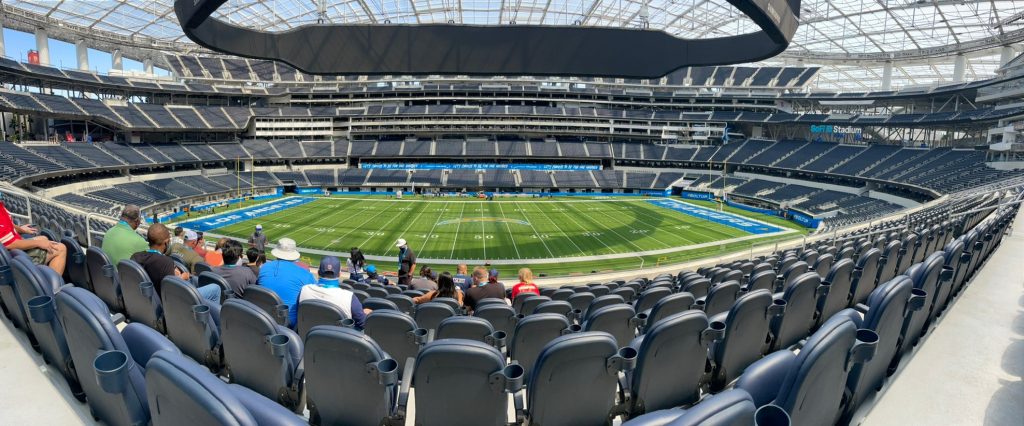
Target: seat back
824	264
191	322
571	382
720	298
865	271
314	312
501	317
77	270
404	303
616	320
668	306
600	290
529	305
936	263
792	271
890	255
470	328
670	364
925	276
648	298
429	315
560	307
180	392
255	345
396	333
838	296
801	304
377	303
9	290
141	301
956	261
907	252
581	300
466	365
532	334
763	280
349	378
521	298
90	335
606	300
731	407
626	293
560	294
104	278
268	301
209	277
36	286
745	339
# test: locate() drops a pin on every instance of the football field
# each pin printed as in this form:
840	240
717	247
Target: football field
558	236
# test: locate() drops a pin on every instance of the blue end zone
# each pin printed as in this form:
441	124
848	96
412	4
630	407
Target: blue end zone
222	220
726	219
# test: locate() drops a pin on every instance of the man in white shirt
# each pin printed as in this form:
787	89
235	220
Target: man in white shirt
328	290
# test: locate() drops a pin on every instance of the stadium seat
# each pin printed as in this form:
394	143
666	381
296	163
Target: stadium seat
864	273
925	276
141	302
500	315
599	290
192	322
314	312
403	303
763	280
77	270
801	302
180	392
269	302
559	294
375	303
957	261
517	304
254	344
883	313
581	301
619	321
810	385
671	363
479	373
626	293
429	315
201	267
110	364
396	333
837	292
349	378
575	378
731	407
532	334
789	274
648	298
719	298
380	292
470	328
746	338
560	307
667	306
602	301
530	304
36	287
454	304
206	278
9	294
105	281
823	264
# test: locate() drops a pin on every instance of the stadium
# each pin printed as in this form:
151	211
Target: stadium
628	212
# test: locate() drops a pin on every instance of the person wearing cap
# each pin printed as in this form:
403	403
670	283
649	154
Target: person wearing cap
185	251
483	288
258	239
328	290
121	241
372	276
285	276
406	262
238	276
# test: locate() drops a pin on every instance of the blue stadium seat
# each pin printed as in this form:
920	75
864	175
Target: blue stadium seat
141	302
192	322
254	344
396	333
349	378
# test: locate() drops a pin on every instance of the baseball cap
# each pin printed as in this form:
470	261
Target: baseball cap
371	269
190	235
329	267
400	243
260	227
493	273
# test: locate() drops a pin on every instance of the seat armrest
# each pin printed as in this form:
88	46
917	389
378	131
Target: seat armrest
143	342
763	379
403	392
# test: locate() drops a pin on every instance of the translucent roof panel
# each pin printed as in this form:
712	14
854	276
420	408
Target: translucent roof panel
827	27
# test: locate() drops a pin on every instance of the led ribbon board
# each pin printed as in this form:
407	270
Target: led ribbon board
492	50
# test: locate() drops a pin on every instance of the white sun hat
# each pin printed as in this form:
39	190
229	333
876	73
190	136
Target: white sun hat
400	243
286	250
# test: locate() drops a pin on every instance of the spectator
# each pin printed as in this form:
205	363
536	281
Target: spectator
426	281
197	243
371	276
238	277
121	241
526	284
185	251
445	288
492	277
356	263
40	249
462	280
258	239
406	262
483	288
158	265
177	238
256	259
214	257
285	276
328	290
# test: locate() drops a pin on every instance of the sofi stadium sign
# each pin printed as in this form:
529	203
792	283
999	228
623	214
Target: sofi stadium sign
836	130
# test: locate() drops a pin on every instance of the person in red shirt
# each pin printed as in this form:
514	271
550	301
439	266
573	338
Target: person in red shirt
526	284
40	249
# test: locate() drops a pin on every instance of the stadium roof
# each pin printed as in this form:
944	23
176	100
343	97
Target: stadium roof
919	35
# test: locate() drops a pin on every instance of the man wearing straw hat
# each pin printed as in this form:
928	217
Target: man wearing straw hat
285	276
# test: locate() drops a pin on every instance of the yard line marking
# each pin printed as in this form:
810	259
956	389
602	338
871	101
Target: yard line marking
429	234
563	232
537	234
458	225
411	222
653	229
596	237
601	225
365	222
483	228
511	236
380	229
322	218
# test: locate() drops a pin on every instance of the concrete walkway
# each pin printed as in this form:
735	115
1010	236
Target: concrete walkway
970	369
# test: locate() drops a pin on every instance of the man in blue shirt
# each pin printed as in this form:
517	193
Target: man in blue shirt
285	277
461	278
328	290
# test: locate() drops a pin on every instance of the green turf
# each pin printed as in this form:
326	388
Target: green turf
519	230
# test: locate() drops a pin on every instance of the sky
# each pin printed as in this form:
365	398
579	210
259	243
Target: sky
63	55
